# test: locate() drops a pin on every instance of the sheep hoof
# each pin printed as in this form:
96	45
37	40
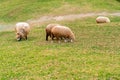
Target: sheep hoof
51	41
71	40
58	41
65	41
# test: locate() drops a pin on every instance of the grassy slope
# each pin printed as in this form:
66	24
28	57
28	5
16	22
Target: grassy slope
94	54
22	10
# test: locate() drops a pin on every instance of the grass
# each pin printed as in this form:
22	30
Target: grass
23	10
94	55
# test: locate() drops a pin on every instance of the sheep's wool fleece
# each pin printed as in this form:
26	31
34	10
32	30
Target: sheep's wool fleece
63	31
22	25
102	19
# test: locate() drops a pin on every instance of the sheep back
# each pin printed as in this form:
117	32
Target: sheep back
62	32
102	19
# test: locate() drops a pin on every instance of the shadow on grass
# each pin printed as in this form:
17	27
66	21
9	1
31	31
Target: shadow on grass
31	38
22	40
118	0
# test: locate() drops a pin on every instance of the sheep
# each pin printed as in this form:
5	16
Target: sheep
102	19
48	30
62	32
22	29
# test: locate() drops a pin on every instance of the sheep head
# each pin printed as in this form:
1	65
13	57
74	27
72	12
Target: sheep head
18	37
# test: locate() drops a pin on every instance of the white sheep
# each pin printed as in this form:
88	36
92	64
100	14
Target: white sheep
102	19
22	30
62	32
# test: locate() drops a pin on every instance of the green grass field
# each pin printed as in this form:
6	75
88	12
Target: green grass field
95	54
22	10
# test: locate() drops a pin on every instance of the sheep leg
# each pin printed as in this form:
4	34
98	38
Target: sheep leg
58	39
46	37
26	37
20	39
71	40
61	38
65	40
52	36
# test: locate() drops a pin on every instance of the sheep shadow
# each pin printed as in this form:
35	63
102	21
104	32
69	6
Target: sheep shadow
29	39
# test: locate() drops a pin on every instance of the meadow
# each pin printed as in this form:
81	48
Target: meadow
94	55
12	11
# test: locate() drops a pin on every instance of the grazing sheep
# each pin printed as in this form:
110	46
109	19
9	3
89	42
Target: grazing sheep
62	32
102	19
48	30
22	30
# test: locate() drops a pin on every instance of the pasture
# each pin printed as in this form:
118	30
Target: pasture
22	10
95	54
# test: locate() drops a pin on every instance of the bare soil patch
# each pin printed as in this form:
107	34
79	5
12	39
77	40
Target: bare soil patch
43	19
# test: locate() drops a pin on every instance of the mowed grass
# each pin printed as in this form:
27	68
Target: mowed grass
95	54
23	10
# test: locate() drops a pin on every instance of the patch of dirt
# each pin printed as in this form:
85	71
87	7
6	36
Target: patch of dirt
69	17
44	19
9	27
